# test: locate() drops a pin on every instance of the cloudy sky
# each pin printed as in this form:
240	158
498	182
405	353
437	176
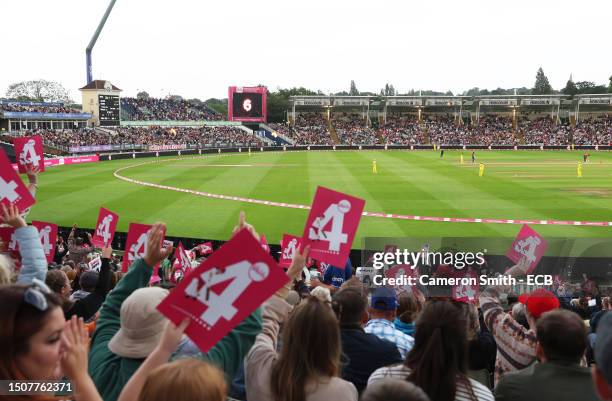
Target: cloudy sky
199	48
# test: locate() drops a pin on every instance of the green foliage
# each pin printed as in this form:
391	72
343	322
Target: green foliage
353	91
39	90
585	87
542	86
278	101
142	95
218	105
570	88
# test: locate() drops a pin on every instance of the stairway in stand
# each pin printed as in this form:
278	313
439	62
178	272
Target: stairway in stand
425	131
332	133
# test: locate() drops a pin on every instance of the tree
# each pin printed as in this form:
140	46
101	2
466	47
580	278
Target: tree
218	105
389	90
39	90
278	101
353	91
542	86
610	85
570	87
142	95
590	87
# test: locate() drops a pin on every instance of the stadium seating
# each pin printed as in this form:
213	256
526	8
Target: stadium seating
141	109
202	136
34	108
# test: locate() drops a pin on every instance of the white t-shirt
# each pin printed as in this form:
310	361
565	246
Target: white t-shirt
481	392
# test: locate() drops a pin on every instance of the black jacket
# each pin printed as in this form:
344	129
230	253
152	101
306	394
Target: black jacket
87	307
363	353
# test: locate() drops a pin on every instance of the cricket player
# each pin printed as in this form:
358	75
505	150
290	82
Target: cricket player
374	168
461	160
579	170
473	157
441	153
481	170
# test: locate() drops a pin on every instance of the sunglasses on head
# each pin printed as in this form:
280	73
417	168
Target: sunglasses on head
35	295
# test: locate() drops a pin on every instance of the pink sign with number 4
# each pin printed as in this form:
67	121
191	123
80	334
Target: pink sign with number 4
331	225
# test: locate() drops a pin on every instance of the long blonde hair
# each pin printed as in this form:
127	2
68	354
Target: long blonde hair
6	270
185	380
311	349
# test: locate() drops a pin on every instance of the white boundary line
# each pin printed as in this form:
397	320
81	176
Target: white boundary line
369	214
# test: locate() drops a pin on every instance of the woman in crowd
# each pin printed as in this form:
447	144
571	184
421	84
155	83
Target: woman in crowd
482	349
438	362
59	283
408	308
38	344
308	365
183	380
6	270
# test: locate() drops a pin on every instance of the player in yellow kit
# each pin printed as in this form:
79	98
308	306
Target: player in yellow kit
481	170
374	169
579	170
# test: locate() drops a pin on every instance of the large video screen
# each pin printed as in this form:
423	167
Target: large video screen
247	104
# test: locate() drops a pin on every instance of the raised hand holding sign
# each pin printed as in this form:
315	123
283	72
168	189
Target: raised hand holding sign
29	151
331	225
12	190
224	289
105	228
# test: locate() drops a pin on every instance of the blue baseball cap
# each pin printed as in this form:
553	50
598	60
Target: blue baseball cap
384	298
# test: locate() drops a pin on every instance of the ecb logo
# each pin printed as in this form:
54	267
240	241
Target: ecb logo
246	105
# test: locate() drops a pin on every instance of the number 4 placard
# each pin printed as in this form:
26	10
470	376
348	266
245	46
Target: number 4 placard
224	290
105	228
529	244
331	225
47	232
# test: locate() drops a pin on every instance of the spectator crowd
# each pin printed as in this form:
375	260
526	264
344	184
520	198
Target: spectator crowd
147	109
445	129
147	136
37	108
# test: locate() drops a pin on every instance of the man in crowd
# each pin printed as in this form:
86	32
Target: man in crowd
334	277
365	352
602	371
561	342
77	252
383	306
516	345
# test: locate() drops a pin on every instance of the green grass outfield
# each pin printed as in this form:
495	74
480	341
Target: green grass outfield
517	185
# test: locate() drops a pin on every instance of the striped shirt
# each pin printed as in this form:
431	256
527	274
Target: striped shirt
516	346
462	393
384	329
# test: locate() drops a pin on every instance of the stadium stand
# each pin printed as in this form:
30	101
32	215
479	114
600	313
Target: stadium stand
203	136
352	129
310	129
141	109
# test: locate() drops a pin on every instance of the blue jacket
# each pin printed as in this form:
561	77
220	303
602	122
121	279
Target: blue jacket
406	328
33	259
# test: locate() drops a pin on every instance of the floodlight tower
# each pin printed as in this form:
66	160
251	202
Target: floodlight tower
93	40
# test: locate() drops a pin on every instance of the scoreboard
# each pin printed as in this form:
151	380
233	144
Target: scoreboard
108	110
247	104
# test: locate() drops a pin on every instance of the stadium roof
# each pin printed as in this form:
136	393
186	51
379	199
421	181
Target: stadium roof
99	84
